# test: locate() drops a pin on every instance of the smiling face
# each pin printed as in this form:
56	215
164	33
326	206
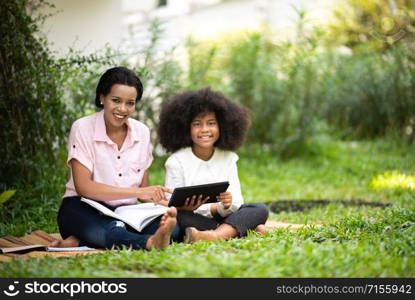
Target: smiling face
119	104
204	132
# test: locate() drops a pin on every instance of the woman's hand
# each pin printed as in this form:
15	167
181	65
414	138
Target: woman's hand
225	199
153	193
193	203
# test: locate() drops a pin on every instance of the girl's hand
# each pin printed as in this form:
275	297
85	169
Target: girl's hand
225	199
193	203
153	193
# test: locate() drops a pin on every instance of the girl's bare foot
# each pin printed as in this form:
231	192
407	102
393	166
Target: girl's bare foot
193	235
71	241
223	232
161	239
261	229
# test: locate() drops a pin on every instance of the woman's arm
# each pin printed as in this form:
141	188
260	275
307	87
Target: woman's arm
145	182
88	188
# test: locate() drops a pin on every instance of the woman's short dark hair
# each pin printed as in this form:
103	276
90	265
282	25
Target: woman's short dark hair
117	75
179	111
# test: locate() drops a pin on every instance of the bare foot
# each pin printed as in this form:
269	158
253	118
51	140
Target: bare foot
223	232
261	229
193	235
71	241
161	239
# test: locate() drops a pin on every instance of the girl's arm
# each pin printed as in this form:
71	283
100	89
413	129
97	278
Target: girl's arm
88	188
225	200
232	196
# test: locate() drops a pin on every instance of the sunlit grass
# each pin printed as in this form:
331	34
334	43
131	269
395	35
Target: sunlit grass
393	180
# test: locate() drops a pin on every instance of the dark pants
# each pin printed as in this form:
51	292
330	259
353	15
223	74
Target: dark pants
96	230
247	217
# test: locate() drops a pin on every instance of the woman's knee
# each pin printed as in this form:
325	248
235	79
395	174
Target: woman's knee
118	235
114	234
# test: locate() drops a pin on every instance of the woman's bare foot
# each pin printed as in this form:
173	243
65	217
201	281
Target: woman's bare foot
71	241
161	239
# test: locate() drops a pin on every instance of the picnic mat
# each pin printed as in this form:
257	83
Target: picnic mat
37	237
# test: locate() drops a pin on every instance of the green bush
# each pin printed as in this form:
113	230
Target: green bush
31	113
372	90
373	94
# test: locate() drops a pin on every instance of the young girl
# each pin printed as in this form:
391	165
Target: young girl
202	128
109	154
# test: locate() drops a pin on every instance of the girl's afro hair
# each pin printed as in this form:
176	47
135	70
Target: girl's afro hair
179	111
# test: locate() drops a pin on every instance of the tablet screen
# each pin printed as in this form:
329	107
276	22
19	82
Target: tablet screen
212	190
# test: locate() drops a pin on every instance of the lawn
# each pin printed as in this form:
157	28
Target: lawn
368	229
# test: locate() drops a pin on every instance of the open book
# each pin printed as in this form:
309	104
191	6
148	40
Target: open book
36	241
23	249
137	216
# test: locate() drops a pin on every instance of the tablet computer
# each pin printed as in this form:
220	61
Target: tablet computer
211	189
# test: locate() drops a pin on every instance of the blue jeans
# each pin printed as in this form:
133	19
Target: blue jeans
96	230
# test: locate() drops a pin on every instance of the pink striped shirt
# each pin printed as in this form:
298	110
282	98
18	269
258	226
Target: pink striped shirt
91	146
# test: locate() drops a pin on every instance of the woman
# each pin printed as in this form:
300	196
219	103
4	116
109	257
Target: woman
109	156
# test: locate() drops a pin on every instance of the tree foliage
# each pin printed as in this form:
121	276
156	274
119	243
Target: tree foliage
373	23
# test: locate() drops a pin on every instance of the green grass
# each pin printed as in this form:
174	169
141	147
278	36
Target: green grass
356	240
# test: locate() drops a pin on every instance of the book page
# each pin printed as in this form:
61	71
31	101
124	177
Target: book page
142	213
137	216
82	248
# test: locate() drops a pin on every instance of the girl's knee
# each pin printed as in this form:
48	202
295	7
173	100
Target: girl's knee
261	211
177	234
